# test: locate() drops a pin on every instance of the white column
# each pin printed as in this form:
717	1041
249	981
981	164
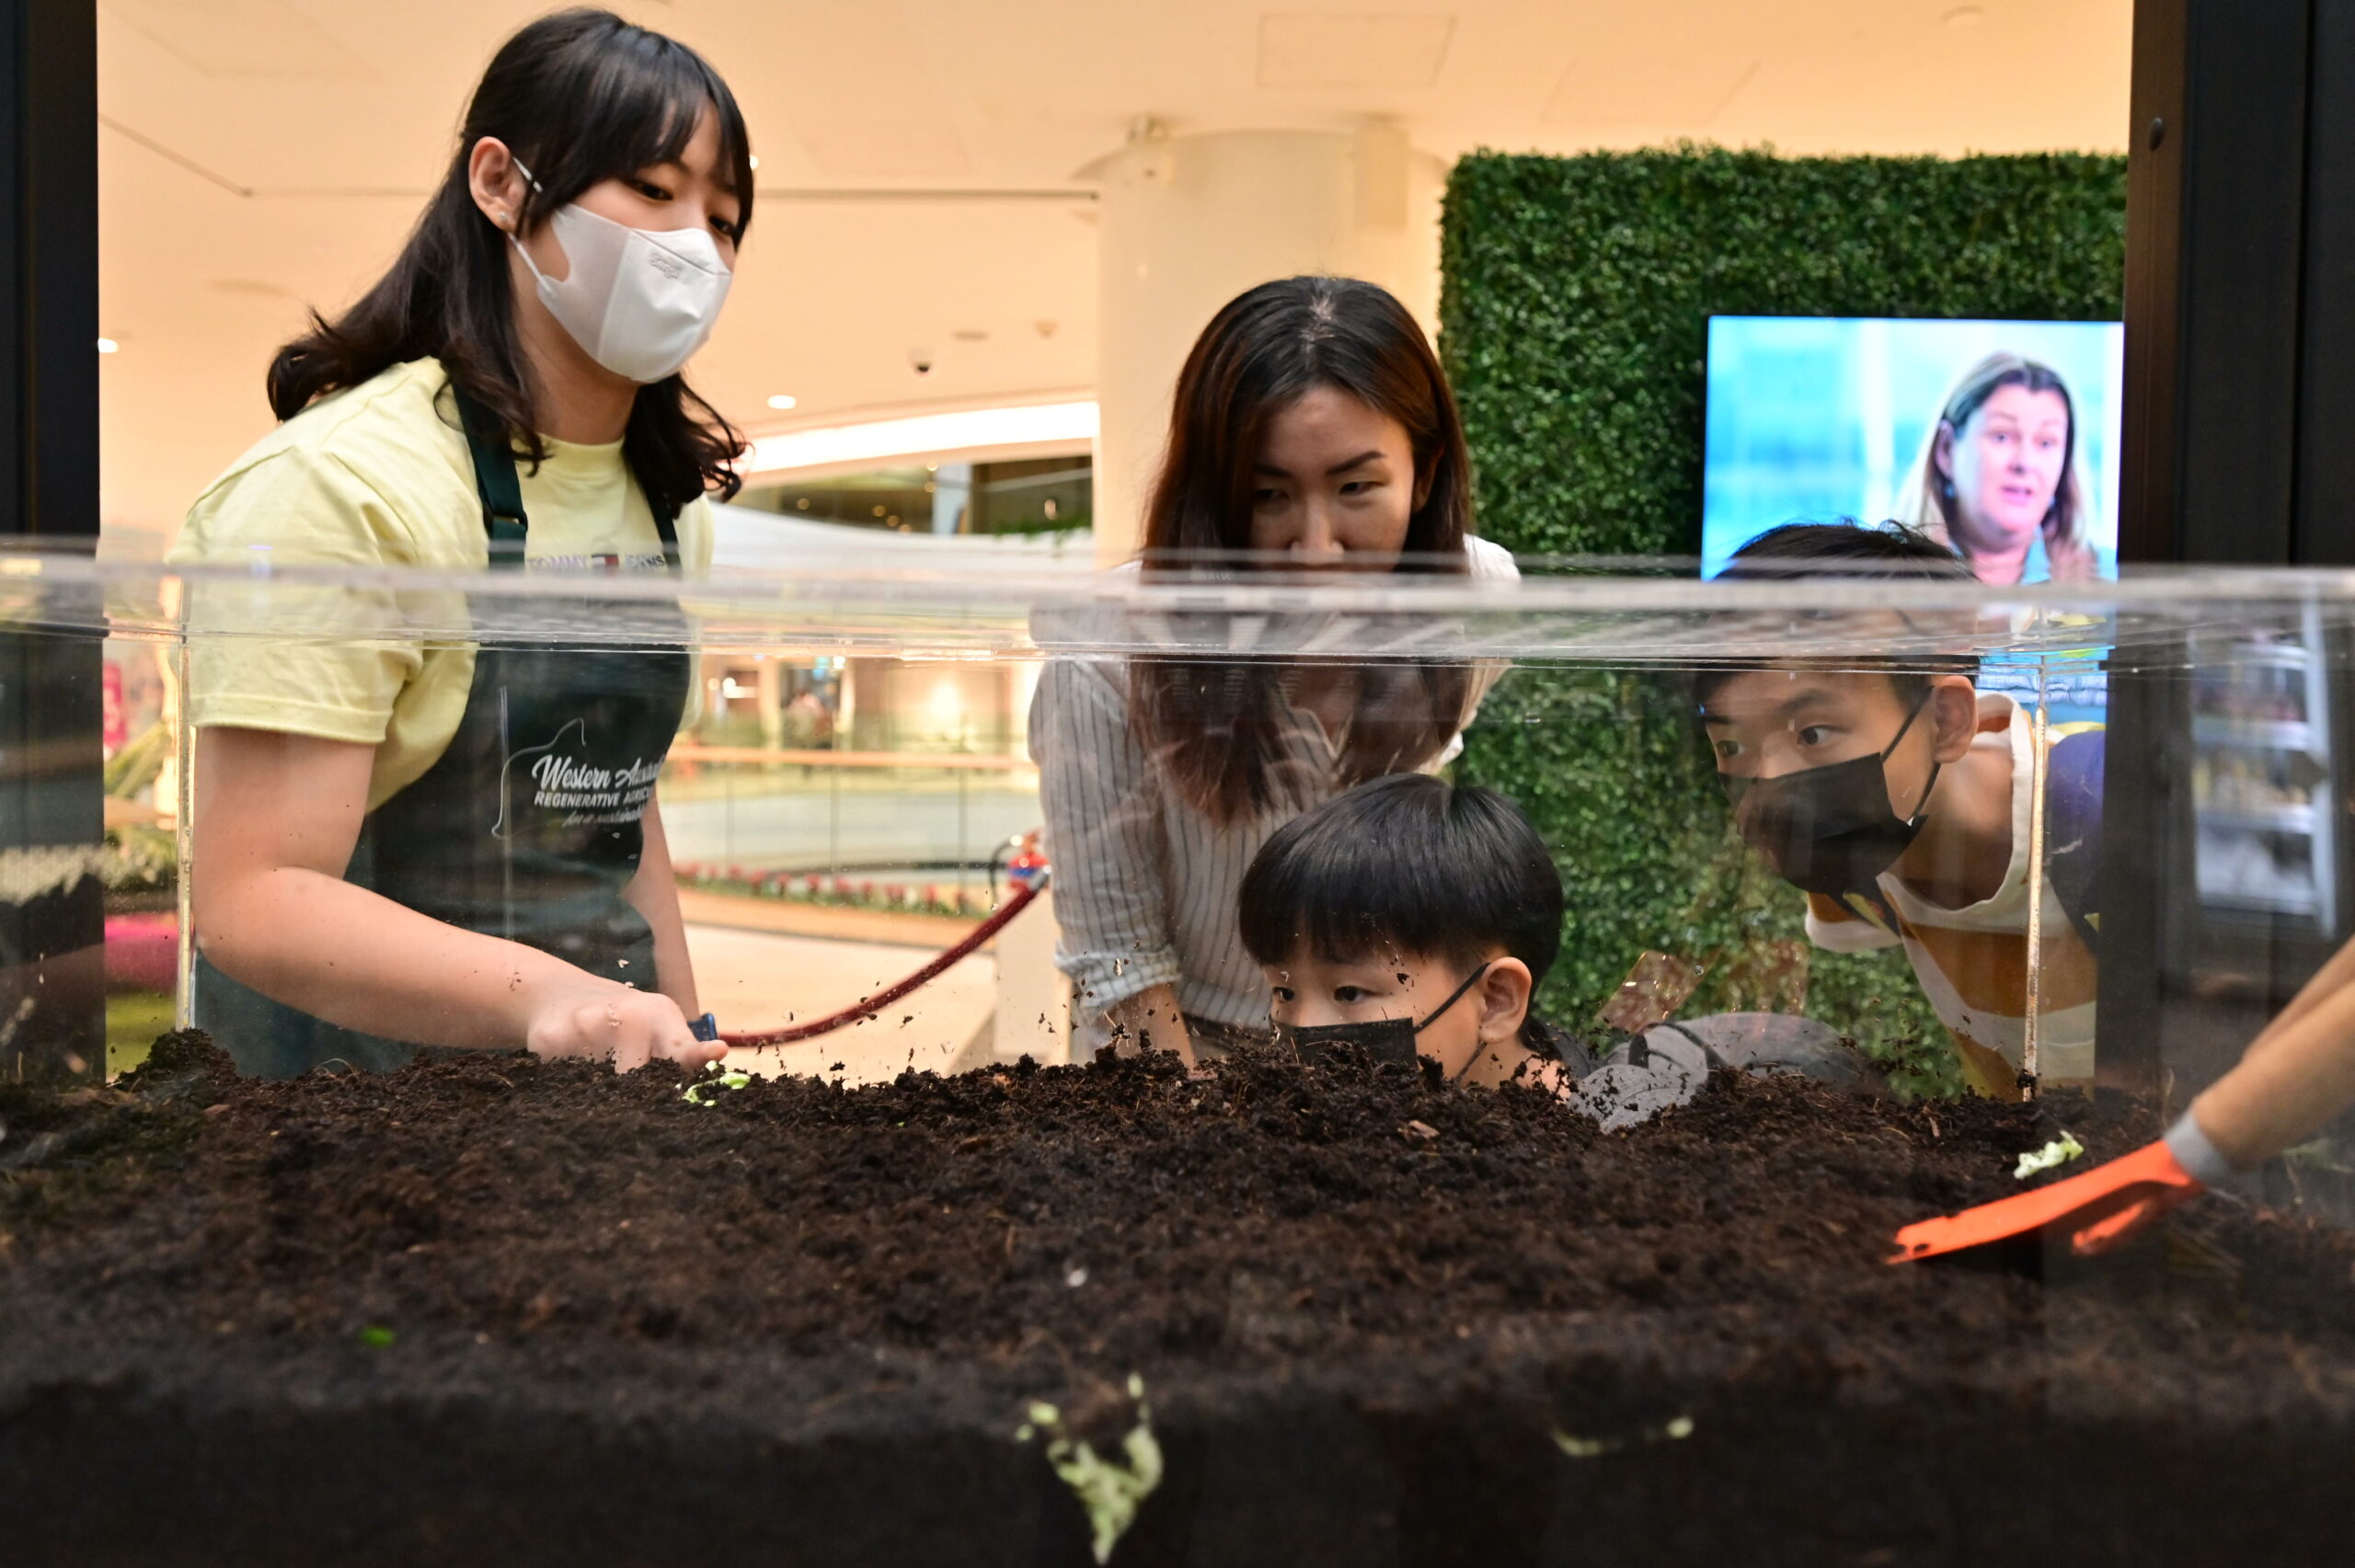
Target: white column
1188	223
952	493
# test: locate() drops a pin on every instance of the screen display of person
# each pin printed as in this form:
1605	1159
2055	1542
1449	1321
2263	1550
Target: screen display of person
2000	438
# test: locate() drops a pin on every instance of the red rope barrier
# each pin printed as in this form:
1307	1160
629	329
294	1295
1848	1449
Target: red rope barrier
870	1006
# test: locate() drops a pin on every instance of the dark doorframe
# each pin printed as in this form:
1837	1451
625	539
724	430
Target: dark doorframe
2240	286
53	968
2239	449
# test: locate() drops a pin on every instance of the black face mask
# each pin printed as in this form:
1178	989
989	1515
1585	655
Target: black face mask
1383	1039
1830	829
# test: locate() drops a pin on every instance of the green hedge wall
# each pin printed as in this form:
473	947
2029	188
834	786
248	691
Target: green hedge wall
1574	312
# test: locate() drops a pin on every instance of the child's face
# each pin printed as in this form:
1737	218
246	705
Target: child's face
1832	828
1763	724
1313	992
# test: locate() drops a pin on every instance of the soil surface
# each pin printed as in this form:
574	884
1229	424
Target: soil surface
488	1304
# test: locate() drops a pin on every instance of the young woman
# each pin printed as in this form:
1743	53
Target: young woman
458	845
1312	422
1998	477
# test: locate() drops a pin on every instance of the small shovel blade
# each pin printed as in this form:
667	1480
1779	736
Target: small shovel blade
2098	1208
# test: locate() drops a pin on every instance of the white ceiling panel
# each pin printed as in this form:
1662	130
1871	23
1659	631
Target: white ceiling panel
1352	51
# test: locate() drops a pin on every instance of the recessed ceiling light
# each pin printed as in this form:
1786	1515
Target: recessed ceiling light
107	345
783	400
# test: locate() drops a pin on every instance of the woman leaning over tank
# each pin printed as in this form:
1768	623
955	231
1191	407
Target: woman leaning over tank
390	855
1311	424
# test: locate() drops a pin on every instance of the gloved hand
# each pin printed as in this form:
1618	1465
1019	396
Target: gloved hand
2096	1210
2197	1161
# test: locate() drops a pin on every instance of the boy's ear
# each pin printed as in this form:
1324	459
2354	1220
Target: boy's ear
1954	712
1503	995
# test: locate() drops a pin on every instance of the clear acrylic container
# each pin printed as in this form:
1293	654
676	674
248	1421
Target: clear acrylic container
859	765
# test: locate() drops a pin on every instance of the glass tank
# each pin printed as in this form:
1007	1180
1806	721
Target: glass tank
1406	1067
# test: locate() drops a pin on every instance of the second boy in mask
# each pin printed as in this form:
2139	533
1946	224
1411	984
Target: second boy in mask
1898	796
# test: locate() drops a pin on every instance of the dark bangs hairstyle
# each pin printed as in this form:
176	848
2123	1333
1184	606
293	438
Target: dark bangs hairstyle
1217	727
579	97
1848	550
1410	864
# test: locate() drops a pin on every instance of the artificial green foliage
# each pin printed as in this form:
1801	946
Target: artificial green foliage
1575	308
1578	292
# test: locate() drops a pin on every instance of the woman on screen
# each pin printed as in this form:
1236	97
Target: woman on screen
1998	477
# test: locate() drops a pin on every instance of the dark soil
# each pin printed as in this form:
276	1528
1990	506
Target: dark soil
491	1309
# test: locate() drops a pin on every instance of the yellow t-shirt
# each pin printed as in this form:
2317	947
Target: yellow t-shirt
379	476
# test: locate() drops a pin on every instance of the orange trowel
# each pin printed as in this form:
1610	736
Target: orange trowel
2095	1210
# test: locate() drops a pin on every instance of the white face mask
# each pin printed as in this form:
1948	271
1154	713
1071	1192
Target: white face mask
640	300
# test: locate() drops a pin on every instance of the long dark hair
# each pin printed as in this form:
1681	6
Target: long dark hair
579	97
1217	727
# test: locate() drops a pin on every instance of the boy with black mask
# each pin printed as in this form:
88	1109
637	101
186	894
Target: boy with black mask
1412	918
1898	798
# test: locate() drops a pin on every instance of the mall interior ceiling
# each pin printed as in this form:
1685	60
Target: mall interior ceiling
922	160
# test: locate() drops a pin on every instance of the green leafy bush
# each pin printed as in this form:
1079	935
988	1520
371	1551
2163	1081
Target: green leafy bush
1577	293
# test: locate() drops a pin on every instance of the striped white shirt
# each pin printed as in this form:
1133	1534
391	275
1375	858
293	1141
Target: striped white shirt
1145	884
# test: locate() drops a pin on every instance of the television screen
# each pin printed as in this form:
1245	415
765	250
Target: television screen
2000	437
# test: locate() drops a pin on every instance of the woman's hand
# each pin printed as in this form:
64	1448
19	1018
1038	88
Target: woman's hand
275	827
582	1015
